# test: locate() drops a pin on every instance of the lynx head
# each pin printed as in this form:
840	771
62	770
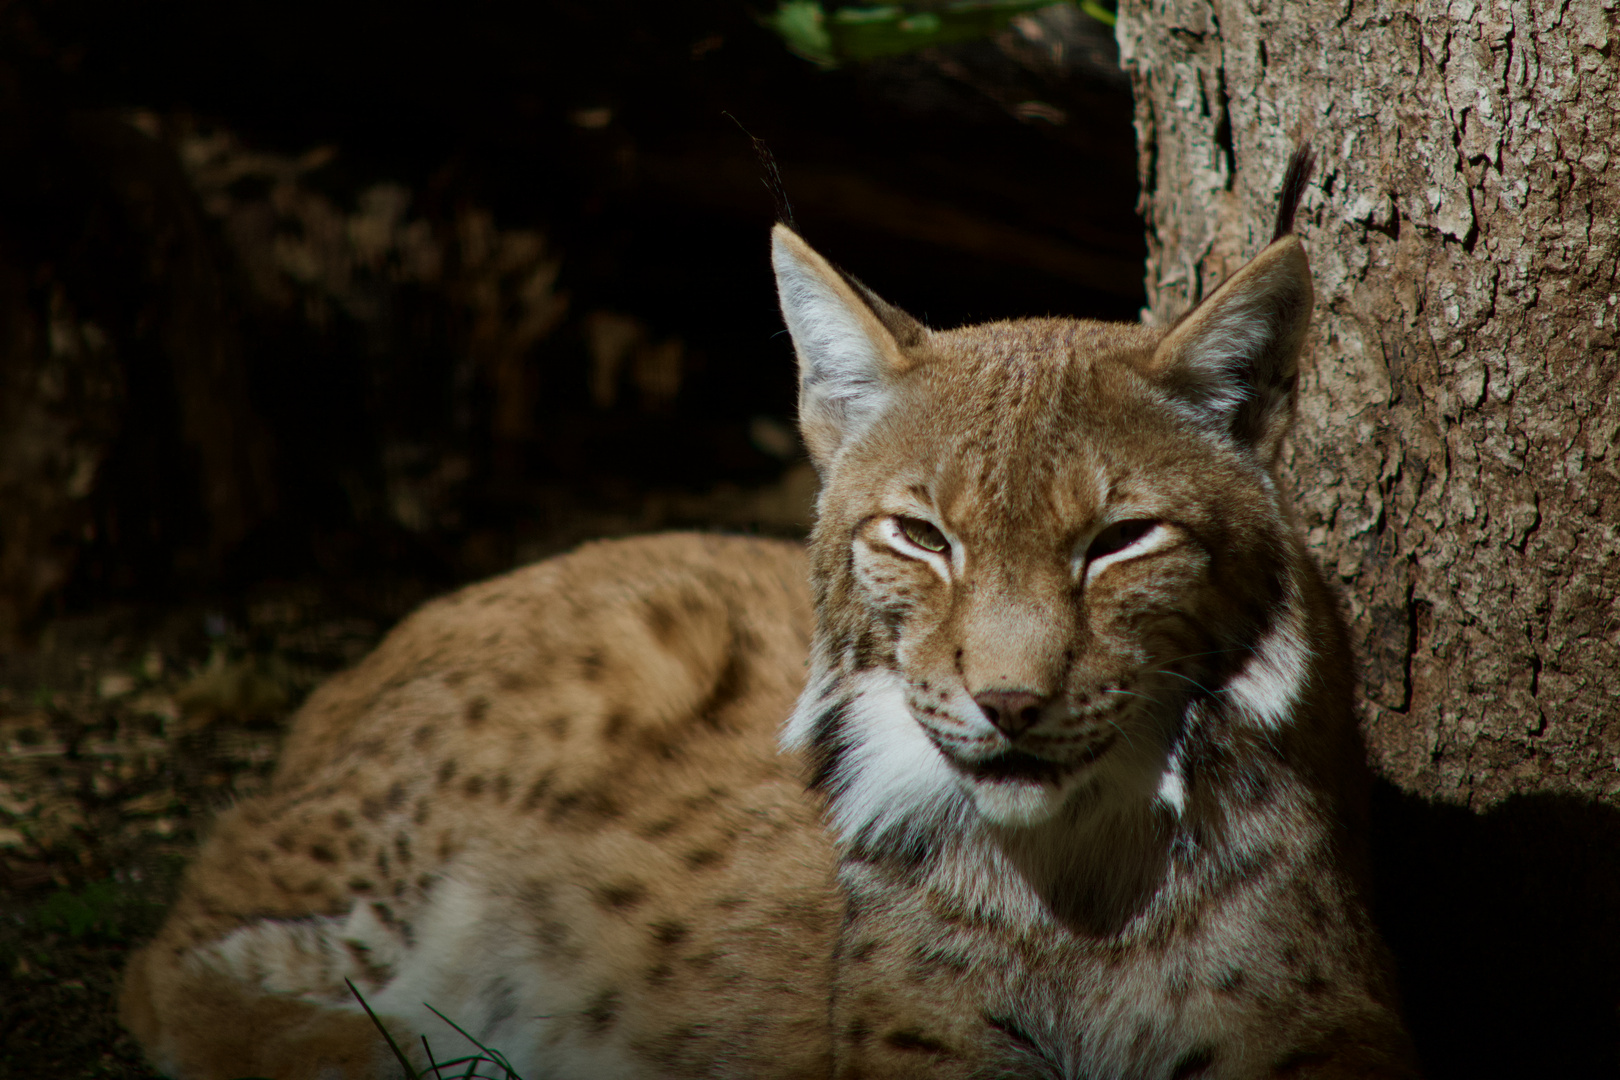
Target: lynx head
1044	549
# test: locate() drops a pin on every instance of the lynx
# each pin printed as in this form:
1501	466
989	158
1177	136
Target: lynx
1072	785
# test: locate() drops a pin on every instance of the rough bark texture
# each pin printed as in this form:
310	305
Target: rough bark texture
1456	452
1456	458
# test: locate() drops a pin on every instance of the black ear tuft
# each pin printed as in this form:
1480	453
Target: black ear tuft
770	176
1301	163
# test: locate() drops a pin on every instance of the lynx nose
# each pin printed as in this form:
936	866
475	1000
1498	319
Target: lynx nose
1013	712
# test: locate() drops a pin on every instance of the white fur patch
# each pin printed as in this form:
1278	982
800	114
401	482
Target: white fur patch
1268	688
892	777
1172	791
1020	802
301	957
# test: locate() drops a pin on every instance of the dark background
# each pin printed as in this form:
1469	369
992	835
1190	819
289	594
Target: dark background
247	421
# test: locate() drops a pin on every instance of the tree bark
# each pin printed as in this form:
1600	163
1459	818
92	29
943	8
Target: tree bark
1455	453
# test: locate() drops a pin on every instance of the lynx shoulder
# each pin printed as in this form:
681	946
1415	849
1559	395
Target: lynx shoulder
1071	788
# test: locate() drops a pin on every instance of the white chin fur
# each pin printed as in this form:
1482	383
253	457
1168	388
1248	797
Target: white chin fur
1018	802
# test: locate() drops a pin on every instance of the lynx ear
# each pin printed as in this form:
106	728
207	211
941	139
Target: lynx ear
849	343
1233	359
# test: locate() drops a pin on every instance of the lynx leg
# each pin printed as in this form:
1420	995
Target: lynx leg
227	1029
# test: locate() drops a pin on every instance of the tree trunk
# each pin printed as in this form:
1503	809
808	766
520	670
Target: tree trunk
1456	457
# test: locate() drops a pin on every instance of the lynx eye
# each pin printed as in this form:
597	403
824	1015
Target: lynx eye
923	534
1117	537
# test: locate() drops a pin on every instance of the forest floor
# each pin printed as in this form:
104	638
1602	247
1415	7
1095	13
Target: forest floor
121	736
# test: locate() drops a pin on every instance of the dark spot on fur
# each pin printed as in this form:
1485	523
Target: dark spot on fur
663	623
602	1011
1231	980
591	665
701	858
500	999
615	724
592	802
513	682
1299	1062
669	932
382	862
360	884
402	848
1011	1028
423	810
1193	1064
704	960
730	684
863	950
914	1040
447	771
1312	982
422	736
936	961
537	792
558	725
798	914
1310	902
371	971
620	895
342	820
655	829
322	854
660	972
396	795
371	808
1252	786
473	786
477	709
712	797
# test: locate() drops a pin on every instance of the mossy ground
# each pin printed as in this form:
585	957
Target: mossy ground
122	732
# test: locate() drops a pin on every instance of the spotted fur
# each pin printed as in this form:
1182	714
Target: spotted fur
1072	787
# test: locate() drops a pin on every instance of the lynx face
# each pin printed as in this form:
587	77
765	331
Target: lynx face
1048	617
1030	560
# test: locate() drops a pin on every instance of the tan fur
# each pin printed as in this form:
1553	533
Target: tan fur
1085	787
592	742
